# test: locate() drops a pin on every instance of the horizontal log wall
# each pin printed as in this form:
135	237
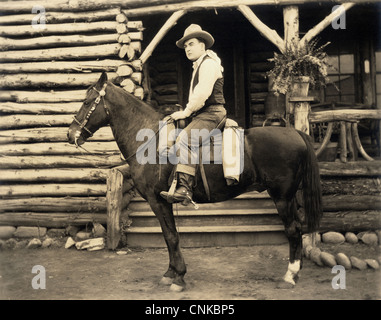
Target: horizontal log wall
164	74
257	79
44	75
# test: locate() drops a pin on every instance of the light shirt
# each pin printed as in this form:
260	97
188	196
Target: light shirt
209	71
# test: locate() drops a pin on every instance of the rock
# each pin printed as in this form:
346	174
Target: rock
10	243
306	240
21	244
56	233
315	256
372	263
343	260
69	243
358	263
307	251
6	232
333	237
95	248
360	234
121	252
350	237
29	232
98	230
83	235
328	259
34	243
72	230
47	243
370	238
91	244
378	232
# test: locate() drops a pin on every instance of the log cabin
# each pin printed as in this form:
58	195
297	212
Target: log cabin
45	72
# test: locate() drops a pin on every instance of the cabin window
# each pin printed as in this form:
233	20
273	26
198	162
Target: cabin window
342	74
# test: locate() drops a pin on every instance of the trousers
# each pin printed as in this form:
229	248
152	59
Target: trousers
195	134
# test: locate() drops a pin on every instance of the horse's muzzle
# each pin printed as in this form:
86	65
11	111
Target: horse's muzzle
74	136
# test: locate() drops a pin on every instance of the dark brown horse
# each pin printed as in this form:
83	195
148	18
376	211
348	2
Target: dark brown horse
277	159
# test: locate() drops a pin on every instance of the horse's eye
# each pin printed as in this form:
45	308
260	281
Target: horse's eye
86	103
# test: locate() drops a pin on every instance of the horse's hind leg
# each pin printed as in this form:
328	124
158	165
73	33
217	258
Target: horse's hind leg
287	210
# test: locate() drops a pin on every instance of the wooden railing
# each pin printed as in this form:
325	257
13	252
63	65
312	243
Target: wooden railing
349	137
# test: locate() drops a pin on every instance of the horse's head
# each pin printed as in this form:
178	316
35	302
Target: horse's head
92	115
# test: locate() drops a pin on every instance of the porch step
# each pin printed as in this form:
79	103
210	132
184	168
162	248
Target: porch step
249	219
209	236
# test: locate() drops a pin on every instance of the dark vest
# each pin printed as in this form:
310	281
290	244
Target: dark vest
217	96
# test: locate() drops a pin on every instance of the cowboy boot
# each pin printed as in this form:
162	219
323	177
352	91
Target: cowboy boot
184	192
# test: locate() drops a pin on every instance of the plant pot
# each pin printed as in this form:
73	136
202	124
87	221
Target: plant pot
300	86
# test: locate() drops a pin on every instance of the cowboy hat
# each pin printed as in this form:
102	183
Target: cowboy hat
195	31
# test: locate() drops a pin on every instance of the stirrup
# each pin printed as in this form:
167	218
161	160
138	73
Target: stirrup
195	205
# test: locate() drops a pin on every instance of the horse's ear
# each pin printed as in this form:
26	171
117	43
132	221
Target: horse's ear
102	80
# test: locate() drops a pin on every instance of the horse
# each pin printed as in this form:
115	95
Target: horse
280	160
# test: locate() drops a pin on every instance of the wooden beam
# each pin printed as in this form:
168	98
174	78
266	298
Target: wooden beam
59	17
345	115
160	35
268	33
27	120
54	175
48	134
53	190
114	199
42	96
350	220
67	161
62	28
62	66
51	80
56	41
357	168
291	25
216	4
50	204
50	219
312	33
65	53
39	108
101	148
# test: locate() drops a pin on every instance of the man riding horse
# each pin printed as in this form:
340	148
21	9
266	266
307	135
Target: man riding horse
205	106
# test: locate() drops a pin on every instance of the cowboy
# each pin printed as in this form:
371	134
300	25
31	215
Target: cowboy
205	106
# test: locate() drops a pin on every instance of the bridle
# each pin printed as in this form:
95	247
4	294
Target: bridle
82	125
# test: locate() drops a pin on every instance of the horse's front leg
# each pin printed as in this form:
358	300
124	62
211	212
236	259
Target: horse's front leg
177	268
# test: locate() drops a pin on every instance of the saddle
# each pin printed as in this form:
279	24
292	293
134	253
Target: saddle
232	138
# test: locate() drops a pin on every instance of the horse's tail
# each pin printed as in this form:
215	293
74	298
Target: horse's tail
312	194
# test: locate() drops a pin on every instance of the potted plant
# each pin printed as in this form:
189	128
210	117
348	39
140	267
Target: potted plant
298	67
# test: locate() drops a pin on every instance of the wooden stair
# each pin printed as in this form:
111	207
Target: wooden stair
249	219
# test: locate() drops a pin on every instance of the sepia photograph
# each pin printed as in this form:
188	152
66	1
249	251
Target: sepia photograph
190	156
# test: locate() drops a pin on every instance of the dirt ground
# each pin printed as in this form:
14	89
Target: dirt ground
213	273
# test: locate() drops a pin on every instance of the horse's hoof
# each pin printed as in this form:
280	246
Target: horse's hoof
166	281
176	288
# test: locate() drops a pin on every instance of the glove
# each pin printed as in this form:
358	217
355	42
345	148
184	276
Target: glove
178	115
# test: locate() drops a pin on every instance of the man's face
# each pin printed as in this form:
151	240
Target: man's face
194	49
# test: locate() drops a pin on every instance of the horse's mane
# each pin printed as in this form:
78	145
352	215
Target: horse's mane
145	115
136	103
